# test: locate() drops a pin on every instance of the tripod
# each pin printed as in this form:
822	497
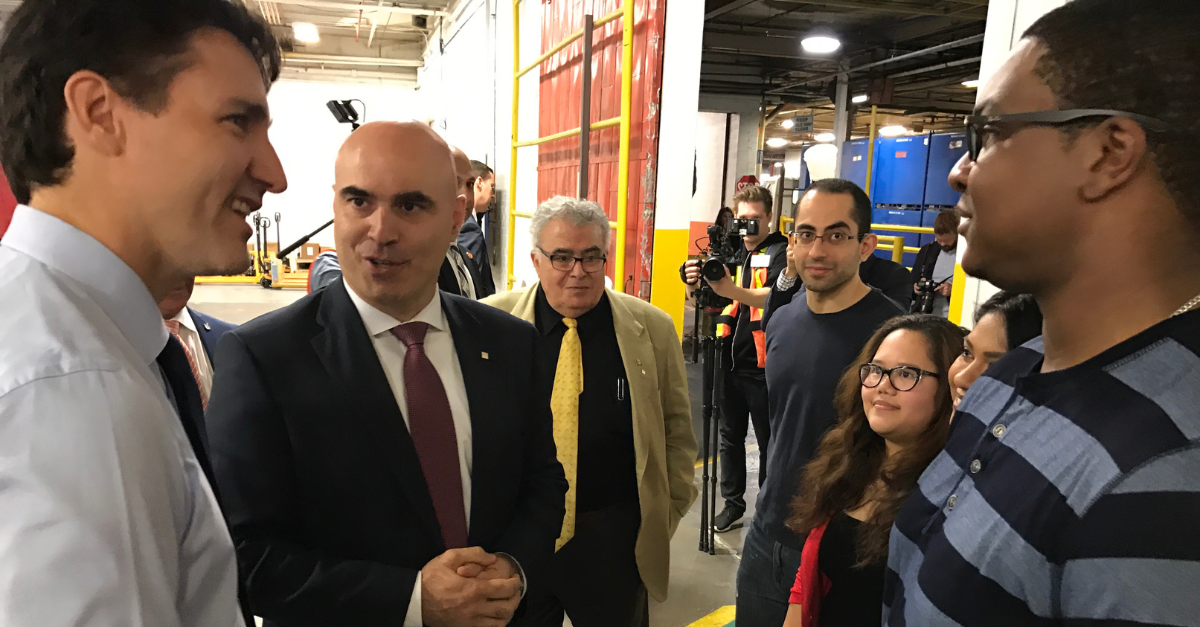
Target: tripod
709	305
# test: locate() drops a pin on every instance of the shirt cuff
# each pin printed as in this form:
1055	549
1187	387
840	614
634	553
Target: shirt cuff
516	566
784	283
412	618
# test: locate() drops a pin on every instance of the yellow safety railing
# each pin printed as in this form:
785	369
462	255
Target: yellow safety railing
626	14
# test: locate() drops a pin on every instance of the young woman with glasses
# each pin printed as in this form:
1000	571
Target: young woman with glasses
894	410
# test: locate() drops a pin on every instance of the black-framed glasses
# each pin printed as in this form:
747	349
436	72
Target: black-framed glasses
565	263
980	127
904	378
836	238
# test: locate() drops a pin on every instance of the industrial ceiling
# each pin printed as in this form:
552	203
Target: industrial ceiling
909	57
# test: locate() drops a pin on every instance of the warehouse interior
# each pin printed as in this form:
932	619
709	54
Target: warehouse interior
689	101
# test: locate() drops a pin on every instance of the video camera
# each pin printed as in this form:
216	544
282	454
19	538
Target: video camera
723	245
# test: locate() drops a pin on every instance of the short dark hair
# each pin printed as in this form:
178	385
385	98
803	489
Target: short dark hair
754	193
861	212
1022	316
1139	57
139	46
479	170
946	222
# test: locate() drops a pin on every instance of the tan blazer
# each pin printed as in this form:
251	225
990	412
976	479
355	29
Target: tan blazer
663	441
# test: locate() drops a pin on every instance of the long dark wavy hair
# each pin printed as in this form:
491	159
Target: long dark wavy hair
851	457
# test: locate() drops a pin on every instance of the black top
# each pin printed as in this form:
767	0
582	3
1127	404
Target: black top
606	470
855	596
889	277
806	355
744	354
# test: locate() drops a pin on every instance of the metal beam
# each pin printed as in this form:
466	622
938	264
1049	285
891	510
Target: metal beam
940	66
332	59
730	7
904	57
355	8
894	8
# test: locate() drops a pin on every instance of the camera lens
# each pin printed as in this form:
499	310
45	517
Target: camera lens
713	270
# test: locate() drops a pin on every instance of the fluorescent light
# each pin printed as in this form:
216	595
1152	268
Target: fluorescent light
825	137
788	123
973	84
777	142
820	44
893	131
860	99
306	32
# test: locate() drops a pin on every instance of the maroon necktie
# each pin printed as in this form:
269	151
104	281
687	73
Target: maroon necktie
431	426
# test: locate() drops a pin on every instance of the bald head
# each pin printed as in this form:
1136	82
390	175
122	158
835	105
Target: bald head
396	210
463	170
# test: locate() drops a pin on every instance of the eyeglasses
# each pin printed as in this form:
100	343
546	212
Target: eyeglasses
981	127
565	263
904	378
835	239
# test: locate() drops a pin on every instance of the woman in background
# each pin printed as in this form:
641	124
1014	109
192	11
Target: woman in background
1002	323
894	407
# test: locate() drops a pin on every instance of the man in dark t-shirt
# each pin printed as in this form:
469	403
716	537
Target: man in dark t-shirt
813	334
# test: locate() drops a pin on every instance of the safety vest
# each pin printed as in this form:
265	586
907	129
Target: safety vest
728	318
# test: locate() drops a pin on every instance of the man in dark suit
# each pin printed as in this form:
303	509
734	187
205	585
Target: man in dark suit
197	333
472	237
459	274
385	450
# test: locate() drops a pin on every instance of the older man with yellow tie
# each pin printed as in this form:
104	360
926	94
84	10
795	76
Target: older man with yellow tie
622	425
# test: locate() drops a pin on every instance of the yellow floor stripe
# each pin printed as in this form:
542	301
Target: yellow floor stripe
720	618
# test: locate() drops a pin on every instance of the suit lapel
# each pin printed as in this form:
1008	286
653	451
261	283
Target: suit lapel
349	357
470	345
203	330
637	355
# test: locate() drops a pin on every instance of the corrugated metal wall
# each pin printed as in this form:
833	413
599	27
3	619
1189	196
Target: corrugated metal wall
558	162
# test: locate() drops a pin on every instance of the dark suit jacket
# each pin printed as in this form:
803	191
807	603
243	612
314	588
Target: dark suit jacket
211	331
324	494
473	240
448	280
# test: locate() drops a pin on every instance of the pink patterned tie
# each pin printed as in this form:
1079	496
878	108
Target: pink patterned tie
431	426
173	327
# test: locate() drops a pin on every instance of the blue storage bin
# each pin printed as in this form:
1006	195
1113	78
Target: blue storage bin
899	217
900	171
854	161
944	151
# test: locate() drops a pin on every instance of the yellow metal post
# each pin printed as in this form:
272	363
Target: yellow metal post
512	171
623	162
871	146
898	250
762	142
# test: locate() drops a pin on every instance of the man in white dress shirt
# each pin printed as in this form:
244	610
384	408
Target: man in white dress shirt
385	448
135	136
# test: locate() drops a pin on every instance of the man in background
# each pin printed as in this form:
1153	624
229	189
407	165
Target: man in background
814	332
620	403
459	275
760	259
135	135
385	446
472	238
197	333
935	263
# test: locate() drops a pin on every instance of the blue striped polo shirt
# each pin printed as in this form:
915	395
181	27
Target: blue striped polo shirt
1064	498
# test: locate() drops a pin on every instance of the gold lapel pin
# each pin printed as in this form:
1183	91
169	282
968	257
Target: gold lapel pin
483	355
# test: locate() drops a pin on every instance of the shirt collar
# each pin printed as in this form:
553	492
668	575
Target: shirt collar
184	318
548	317
378	322
101	274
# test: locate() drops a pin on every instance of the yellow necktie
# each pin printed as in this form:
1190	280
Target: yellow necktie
564	403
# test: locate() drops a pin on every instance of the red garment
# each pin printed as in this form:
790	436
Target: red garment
811	584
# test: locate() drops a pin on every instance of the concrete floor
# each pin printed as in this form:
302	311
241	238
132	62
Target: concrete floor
701	584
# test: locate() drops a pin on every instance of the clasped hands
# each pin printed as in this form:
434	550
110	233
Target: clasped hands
469	588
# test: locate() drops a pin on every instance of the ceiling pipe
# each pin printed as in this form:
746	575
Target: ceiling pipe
344	60
940	66
354	8
904	57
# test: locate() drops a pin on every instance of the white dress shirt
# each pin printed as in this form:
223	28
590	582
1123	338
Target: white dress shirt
106	518
191	341
439	347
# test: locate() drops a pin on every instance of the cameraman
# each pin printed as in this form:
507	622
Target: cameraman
744	391
935	264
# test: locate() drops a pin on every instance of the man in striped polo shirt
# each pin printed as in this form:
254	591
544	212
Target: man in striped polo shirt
1069	489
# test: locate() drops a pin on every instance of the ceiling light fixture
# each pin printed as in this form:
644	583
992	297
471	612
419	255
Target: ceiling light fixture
306	32
893	131
788	123
973	84
861	98
820	44
777	142
825	137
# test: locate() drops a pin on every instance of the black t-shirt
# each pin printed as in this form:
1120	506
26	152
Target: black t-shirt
806	355
744	354
855	596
